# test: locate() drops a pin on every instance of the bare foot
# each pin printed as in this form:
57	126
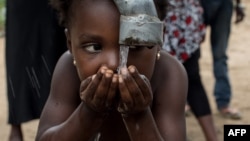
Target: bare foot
16	133
187	110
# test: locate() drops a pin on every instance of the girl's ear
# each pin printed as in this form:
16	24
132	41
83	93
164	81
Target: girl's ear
68	39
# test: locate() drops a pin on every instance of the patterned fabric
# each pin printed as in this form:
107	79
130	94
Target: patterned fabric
184	28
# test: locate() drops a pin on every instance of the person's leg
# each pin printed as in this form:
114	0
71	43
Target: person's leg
208	128
16	133
220	31
197	98
210	8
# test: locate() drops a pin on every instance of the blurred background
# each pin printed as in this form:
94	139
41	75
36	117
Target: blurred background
2	15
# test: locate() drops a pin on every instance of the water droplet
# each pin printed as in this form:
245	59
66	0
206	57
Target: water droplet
98	136
46	65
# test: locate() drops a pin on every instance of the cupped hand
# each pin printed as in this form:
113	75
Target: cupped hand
98	91
135	92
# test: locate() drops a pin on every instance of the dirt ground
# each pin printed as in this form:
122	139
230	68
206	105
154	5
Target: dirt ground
239	67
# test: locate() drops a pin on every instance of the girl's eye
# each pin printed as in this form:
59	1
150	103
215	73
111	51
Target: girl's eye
93	48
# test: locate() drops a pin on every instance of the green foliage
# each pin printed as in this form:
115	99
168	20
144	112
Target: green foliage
2	14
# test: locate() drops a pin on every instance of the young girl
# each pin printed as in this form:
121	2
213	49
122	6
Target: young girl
90	101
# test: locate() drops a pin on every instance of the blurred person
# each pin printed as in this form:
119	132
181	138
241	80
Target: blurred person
184	32
34	42
218	14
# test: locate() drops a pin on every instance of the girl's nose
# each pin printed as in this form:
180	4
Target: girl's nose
112	61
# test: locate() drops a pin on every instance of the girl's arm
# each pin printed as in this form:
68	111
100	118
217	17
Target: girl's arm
64	116
166	119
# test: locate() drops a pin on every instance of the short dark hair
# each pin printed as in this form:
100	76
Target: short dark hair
161	7
62	7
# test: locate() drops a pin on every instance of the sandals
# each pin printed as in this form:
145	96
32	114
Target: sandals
229	113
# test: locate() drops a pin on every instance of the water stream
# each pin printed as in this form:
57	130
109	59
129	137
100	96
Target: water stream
123	57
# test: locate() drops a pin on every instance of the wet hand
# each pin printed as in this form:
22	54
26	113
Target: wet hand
98	91
135	92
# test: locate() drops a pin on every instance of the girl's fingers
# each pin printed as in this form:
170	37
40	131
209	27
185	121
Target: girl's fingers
112	91
132	86
92	87
84	85
142	82
126	98
103	88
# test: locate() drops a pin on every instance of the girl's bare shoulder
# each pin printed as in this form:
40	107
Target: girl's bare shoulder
65	73
168	70
168	66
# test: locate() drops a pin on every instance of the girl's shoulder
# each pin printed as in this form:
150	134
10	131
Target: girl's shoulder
167	64
65	73
168	70
65	64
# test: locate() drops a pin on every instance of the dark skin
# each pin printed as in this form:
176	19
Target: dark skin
91	100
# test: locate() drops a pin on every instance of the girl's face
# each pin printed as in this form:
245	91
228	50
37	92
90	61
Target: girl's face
93	37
